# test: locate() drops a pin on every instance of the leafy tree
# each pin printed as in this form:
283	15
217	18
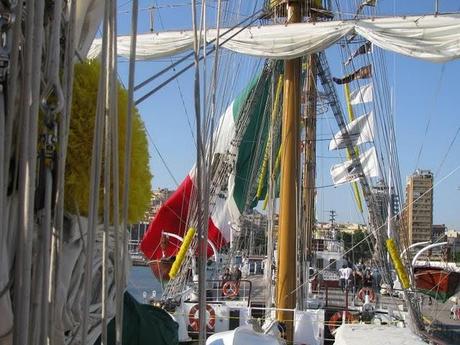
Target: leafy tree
362	250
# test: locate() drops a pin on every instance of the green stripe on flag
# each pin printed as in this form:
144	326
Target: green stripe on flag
245	95
250	153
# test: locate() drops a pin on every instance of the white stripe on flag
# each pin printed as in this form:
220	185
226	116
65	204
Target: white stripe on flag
360	131
347	171
362	95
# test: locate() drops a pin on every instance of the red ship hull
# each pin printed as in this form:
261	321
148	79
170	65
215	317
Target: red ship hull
436	282
161	268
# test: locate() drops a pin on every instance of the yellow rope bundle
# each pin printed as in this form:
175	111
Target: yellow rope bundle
400	270
182	251
275	173
77	179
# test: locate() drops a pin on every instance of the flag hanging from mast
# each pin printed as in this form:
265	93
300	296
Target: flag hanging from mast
366	48
348	171
362	73
364	94
360	131
236	138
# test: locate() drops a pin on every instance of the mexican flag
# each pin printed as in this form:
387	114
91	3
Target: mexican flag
242	134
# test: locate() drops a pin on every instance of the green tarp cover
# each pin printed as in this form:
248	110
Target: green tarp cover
144	324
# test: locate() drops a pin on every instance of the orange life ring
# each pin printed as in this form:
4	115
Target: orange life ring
230	289
194	320
336	320
366	291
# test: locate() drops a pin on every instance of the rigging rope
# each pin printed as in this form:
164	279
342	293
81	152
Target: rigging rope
30	99
64	125
253	18
379	67
181	95
96	167
383	226
121	279
443	160
200	184
52	102
430	113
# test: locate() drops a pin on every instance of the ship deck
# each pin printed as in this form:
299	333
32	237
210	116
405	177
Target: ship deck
436	315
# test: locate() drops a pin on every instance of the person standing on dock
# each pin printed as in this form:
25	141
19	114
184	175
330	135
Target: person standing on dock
455	311
376	279
367	279
345	275
236	275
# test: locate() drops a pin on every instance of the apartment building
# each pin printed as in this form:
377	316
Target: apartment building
418	212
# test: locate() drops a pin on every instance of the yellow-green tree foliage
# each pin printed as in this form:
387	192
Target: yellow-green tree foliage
77	183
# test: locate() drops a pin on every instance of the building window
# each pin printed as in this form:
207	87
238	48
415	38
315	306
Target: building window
319	264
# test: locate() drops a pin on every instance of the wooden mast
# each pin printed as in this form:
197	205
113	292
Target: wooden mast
310	153
309	181
286	297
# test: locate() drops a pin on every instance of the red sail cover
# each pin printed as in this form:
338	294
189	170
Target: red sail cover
172	218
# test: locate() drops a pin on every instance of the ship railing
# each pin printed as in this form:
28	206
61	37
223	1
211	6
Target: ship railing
133	246
319	294
215	291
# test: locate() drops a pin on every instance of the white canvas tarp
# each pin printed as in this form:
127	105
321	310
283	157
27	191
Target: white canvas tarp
357	334
69	294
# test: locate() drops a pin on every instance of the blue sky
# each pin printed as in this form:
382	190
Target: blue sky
424	93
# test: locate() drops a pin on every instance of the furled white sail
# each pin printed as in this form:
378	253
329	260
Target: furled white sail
363	94
360	131
433	38
347	171
150	46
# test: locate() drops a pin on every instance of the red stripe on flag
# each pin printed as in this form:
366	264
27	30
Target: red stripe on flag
172	218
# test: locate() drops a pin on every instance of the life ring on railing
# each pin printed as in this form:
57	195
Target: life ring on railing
366	291
194	319
336	320
230	289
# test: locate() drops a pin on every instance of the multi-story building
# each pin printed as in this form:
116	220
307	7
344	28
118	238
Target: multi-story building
418	211
438	232
453	238
157	199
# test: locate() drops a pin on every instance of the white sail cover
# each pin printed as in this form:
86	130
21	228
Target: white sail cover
347	171
433	38
360	131
87	19
363	94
